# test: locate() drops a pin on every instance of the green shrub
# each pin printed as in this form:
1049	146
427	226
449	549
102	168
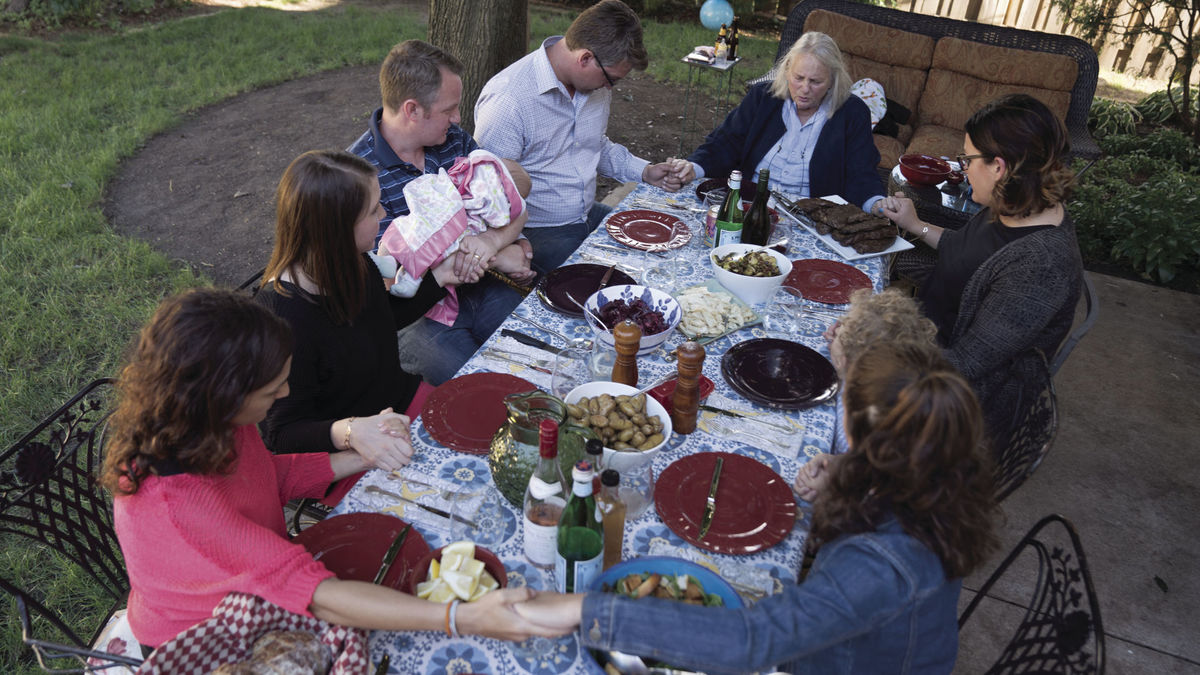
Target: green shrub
1156	108
1164	144
1139	210
1109	117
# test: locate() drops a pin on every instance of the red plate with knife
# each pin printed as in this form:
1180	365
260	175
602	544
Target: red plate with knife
753	506
352	546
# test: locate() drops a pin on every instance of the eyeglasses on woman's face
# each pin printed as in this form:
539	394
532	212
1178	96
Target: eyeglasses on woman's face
965	160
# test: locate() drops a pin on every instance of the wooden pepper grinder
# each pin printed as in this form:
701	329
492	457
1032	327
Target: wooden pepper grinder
627	336
685	403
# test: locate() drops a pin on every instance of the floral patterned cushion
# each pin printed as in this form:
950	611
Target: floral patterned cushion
903	85
951	98
872	41
936	140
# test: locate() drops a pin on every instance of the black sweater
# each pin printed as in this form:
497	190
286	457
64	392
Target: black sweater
341	371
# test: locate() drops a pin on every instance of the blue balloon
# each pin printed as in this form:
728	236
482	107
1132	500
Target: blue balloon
716	12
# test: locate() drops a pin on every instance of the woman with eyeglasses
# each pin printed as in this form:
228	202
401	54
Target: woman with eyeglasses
1006	284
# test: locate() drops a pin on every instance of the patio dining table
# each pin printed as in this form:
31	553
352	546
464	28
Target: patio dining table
497	524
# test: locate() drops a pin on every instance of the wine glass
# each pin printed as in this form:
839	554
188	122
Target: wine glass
659	263
572	367
779	317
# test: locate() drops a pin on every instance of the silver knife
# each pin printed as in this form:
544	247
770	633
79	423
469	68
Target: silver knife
748	418
390	555
531	341
431	509
501	356
710	506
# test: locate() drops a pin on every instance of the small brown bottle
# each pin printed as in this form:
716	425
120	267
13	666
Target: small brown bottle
685	402
626	336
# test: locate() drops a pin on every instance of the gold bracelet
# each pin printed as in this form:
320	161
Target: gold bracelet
349	426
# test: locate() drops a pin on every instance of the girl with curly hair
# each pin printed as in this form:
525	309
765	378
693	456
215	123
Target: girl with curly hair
908	512
889	315
1004	288
198	499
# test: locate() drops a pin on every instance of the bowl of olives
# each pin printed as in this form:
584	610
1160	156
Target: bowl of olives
752	273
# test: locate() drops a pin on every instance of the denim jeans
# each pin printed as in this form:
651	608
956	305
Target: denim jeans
877	602
553	245
436	351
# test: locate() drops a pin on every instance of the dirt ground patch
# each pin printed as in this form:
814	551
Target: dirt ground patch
202	192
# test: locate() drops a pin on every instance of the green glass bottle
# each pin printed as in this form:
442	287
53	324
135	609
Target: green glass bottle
756	226
729	218
580	536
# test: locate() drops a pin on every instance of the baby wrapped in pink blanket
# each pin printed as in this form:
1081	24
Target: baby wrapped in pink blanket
445	208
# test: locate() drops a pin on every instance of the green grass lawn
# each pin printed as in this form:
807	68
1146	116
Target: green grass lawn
72	292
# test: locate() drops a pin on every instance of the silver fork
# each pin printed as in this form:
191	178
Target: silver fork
447	495
718	427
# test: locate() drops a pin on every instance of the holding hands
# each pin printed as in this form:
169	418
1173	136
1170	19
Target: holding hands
517	614
813	477
669	175
382	440
475	254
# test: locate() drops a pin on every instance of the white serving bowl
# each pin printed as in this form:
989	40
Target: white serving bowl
656	299
750	290
625	461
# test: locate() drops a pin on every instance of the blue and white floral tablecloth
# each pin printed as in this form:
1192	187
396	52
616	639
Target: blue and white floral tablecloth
498	523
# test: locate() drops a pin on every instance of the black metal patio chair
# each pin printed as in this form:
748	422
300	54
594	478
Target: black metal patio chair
49	495
1061	631
1030	437
1091	305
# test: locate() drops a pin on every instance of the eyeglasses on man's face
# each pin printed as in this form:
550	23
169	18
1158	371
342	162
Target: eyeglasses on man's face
965	160
611	82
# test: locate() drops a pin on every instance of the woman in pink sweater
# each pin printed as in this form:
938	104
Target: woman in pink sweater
198	499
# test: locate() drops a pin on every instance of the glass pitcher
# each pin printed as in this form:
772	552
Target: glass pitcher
514	448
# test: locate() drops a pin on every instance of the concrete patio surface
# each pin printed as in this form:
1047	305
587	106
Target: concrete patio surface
1124	470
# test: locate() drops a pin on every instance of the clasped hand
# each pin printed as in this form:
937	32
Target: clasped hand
669	175
383	440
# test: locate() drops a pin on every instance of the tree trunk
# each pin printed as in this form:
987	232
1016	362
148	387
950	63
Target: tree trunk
486	35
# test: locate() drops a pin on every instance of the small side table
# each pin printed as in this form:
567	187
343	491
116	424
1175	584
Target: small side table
691	103
944	205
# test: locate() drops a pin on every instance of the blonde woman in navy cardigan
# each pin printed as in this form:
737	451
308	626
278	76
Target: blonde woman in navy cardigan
805	126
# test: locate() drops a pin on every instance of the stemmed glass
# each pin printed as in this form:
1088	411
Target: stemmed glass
661	266
572	367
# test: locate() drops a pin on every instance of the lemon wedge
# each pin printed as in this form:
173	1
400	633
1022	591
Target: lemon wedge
451	562
426	588
443	593
435	569
487	582
472	567
466	549
463	585
479	593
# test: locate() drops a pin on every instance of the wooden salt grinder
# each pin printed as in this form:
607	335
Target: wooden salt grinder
627	336
685	402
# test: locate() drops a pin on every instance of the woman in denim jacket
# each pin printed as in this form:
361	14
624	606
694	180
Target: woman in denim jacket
907	513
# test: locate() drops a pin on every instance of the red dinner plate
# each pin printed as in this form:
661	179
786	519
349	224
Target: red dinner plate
645	230
755	509
464	413
352	547
827	281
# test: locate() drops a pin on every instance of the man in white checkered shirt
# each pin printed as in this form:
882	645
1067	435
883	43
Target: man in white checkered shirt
549	112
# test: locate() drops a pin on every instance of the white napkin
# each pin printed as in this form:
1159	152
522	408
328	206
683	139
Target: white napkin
423	489
769	438
520	352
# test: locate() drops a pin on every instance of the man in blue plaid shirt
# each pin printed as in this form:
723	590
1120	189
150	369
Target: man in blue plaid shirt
416	132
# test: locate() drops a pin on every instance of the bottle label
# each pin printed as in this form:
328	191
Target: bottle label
540	489
728	233
541	533
585	573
